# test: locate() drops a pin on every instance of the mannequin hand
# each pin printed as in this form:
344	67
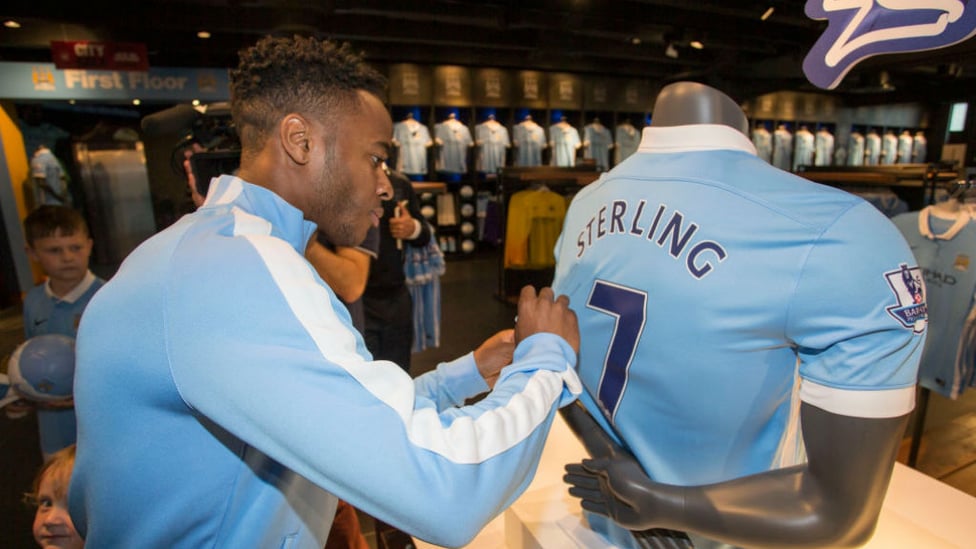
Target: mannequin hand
494	354
616	487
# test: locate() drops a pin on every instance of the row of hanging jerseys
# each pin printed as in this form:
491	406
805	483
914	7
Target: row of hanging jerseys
492	140
943	239
789	151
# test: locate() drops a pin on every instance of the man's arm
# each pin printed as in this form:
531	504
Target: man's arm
832	500
345	270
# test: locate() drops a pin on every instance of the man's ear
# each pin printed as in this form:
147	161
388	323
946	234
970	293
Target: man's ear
295	136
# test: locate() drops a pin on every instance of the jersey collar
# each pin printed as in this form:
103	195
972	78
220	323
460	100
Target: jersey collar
694	137
961	219
75	292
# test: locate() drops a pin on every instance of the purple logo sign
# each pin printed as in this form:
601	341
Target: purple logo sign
858	29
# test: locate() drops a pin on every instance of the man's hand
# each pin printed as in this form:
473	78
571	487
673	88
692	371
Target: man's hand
616	487
542	313
402	225
494	354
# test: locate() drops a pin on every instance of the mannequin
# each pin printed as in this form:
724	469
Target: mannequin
889	147
492	140
905	142
872	148
529	139
454	139
823	148
855	157
50	186
919	147
763	140
597	142
803	150
627	139
782	148
702	404
413	140
565	141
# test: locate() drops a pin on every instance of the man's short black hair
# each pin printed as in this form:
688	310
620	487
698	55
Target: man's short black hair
47	220
299	74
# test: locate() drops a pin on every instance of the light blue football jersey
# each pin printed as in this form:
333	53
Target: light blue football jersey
564	140
945	249
413	138
530	138
708	284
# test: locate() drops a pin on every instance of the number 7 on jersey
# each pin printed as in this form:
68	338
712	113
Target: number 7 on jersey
629	308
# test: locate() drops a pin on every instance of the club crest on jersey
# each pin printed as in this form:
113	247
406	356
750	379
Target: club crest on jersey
858	29
909	289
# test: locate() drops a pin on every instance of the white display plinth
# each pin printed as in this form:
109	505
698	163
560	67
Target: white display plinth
918	511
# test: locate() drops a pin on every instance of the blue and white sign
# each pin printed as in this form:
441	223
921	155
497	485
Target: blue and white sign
858	29
44	81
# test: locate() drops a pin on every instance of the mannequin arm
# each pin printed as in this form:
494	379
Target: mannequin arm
832	500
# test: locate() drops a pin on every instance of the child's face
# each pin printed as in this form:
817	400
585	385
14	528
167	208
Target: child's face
64	258
53	528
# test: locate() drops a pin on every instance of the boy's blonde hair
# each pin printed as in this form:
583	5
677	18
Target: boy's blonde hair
58	468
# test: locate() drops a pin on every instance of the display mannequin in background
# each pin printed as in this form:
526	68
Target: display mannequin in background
413	139
763	140
889	147
855	154
50	181
627	139
529	139
803	147
823	147
782	148
492	140
565	141
919	147
597	142
454	140
704	401
872	148
905	142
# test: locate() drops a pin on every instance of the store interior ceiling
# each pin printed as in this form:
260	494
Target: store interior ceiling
748	48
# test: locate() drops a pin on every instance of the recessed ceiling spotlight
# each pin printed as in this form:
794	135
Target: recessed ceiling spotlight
767	14
671	51
11	24
696	44
136	102
203	34
635	41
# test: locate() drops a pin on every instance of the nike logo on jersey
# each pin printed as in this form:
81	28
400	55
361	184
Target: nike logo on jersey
39	321
858	29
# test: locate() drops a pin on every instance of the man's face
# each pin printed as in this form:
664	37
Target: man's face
349	179
64	258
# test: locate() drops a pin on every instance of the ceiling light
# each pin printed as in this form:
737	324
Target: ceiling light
203	34
696	44
671	51
635	41
766	14
136	102
11	24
